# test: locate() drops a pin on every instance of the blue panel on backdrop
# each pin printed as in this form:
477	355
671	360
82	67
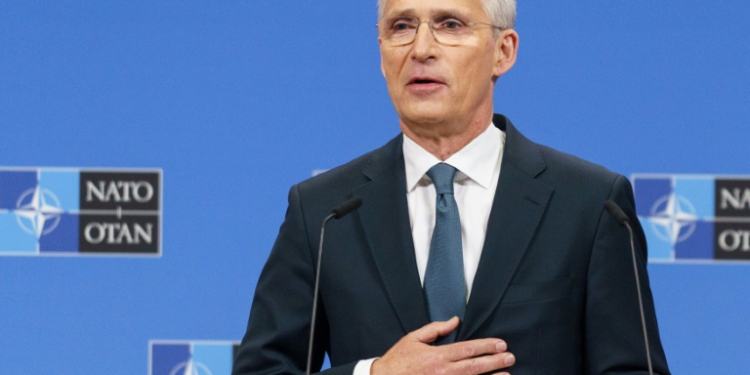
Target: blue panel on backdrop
658	249
65	184
13	239
237	100
64	239
13	184
648	191
217	358
700	244
699	192
17	234
167	357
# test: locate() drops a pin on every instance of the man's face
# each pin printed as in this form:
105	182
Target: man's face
433	83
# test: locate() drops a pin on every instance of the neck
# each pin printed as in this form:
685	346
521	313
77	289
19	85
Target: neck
444	139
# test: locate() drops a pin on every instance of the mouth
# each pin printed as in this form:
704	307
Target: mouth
425	85
424	81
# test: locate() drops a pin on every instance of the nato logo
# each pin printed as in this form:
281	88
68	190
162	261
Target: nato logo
67	211
191	357
694	218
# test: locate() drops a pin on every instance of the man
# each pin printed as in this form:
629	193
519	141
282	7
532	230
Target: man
475	250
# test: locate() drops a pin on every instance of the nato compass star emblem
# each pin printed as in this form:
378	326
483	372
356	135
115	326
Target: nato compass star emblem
673	218
38	211
190	367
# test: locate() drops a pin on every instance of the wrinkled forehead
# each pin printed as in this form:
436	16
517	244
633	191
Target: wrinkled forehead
433	8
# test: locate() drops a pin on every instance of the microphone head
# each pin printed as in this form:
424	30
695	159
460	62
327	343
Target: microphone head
347	207
616	212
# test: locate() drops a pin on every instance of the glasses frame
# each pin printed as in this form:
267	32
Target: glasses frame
432	31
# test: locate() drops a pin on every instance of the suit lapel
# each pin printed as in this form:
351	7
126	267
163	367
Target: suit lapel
520	201
385	220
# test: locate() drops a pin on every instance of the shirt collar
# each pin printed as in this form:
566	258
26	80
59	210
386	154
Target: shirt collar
476	160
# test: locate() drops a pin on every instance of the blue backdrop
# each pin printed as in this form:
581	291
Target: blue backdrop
238	100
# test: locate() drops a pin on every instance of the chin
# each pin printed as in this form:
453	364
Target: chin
425	114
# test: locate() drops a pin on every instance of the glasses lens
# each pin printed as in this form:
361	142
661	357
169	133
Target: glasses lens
399	30
451	32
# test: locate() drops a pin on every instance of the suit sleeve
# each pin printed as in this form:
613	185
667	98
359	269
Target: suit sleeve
278	329
613	334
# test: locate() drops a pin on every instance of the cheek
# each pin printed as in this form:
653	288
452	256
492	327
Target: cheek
391	72
469	76
477	72
391	64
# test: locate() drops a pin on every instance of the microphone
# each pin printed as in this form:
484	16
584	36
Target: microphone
619	215
345	208
338	212
616	212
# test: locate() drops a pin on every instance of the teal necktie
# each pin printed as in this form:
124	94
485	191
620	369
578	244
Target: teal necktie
444	283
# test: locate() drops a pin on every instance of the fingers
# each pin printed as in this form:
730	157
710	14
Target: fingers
432	331
474	348
478	356
483	364
473	357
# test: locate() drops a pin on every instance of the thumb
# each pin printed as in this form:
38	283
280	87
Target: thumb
432	331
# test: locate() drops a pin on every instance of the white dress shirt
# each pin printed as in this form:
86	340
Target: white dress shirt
474	186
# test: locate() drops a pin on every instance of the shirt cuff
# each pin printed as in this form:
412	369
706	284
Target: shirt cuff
363	366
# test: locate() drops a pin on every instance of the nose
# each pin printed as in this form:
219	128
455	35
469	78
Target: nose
424	42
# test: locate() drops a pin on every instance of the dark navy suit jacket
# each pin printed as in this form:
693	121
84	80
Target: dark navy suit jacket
555	279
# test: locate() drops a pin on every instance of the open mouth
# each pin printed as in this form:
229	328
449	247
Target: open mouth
424	81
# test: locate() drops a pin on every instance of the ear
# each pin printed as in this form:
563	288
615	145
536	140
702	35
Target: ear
382	70
506	49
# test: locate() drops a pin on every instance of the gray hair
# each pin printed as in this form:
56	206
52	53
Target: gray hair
501	12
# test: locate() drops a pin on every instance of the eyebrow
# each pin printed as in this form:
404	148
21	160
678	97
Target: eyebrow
434	13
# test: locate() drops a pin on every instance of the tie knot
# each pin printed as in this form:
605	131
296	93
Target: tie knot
442	177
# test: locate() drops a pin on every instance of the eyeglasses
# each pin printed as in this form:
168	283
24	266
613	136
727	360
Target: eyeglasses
400	31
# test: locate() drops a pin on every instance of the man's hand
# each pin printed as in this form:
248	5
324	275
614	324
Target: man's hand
413	354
